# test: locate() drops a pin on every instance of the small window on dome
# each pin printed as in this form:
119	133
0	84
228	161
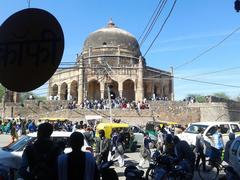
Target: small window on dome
104	43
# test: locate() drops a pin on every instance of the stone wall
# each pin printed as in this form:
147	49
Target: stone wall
181	112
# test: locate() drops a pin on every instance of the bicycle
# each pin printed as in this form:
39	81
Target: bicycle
212	169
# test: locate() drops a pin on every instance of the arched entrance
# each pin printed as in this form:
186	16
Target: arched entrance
74	90
94	90
113	90
128	90
54	90
158	89
63	91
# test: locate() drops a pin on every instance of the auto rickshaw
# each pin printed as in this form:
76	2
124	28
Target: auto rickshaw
130	144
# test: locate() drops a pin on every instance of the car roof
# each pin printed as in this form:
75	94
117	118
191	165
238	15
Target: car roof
213	123
57	133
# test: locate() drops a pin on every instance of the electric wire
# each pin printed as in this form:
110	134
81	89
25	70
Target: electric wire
150	20
213	72
169	14
153	22
207	50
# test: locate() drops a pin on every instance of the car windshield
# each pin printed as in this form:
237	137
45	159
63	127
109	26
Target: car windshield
193	128
20	144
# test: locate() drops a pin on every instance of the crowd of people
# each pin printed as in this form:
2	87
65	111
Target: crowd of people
118	102
65	165
187	155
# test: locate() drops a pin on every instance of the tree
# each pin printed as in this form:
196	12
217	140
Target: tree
26	95
221	95
198	97
2	91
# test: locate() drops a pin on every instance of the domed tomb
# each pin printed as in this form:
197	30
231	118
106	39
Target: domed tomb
111	40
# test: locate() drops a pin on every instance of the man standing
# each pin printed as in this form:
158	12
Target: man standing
77	164
218	143
160	139
102	147
200	148
145	151
120	148
227	147
41	157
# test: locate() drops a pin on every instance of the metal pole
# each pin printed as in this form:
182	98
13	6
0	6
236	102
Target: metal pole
29	2
172	84
110	104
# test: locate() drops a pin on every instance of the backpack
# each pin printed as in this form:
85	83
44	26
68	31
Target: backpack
41	164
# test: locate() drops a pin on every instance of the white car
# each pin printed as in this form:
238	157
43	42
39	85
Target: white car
10	156
209	129
234	155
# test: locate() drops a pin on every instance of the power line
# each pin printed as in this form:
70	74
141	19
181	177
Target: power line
150	20
193	80
207	50
153	22
214	72
181	78
169	14
170	77
206	82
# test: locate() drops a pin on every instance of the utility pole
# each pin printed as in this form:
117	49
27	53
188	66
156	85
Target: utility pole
29	3
110	103
172	84
106	70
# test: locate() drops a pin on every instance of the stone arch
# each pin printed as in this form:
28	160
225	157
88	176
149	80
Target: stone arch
94	90
113	90
128	89
74	90
64	91
54	91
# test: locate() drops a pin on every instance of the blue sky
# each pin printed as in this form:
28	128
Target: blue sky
193	27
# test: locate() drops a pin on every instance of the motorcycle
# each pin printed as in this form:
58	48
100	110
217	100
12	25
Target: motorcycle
106	172
166	167
133	173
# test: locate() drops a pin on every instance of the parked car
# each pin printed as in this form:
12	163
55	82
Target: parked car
209	128
234	155
10	156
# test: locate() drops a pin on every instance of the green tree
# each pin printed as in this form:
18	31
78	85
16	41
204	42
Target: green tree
221	95
2	91
25	96
198	97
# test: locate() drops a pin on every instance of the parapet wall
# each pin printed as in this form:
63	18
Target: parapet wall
181	112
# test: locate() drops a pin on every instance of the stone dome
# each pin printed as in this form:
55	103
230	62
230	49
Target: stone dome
112	36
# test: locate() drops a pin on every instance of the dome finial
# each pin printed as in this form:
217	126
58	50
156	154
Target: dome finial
111	23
